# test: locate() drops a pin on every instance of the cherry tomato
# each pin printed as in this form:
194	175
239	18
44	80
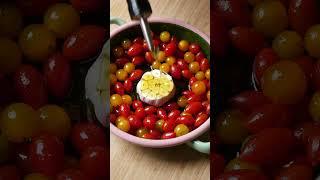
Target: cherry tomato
270	18
11	55
138	40
171	106
182	64
307	64
314	107
242	175
155	134
135	50
193	108
54	120
181	130
165	36
149	57
37	42
119	88
124	110
198	87
140	112
175	71
189	57
268	116
200	120
150	110
238	164
161	113
84	43
87	6
118	52
313	149
170	49
127	85
186	73
62	19
302	15
34	7
149	122
136	104
115	100
295	171
57	74
136	75
169	125
186	120
141	132
194	48
24	123
219	163
288	44
84	135
200	55
204	64
183	45
9	172
120	62
137	60
306	130
49	159
247	40
94	162
135	122
316	75
174	114
268	147
312	36
229	127
168	135
246	101
72	174
284	82
264	59
10	20
123	124
235	12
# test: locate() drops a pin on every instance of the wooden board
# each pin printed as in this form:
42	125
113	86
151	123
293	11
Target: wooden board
133	162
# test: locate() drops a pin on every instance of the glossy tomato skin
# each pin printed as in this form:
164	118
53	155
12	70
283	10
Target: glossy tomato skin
247	40
136	75
175	71
73	174
34	7
124	110
268	147
264	59
193	108
30	86
313	149
87	6
170	49
302	15
128	85
217	164
136	104
137	60
171	106
94	162
168	135
46	154
235	12
57	73
220	37
247	101
150	110
135	50
84	135
119	88
268	116
304	131
120	62
84	43
242	175
9	172
295	171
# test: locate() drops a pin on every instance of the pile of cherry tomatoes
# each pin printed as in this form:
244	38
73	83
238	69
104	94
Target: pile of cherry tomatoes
270	131
40	43
187	65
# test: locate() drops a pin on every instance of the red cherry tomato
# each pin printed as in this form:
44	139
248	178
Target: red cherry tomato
247	101
187	93
204	64
84	135
194	98
220	37
138	40
120	62
174	39
235	12
135	50
182	64
200	120
169	125
136	75
268	147
194	48
137	60
242	175
302	15
34	7
193	108
174	114
127	85
171	106
186	73
46	154
135	122
155	134
29	85
192	80
268	116
136	104
9	172
219	164
200	54
140	113
247	40
124	110
186	120
84	43
95	163
57	75
168	135
119	88
295	171
162	114
149	57
306	130
264	59
306	63
87	6
175	71
72	174
170	49
149	122
150	110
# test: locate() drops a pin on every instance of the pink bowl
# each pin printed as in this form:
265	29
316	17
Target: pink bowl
167	142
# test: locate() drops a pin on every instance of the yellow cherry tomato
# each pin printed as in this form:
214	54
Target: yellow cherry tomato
126	99
113	68
165	36
165	67
129	67
189	57
116	100
183	45
181	130
170	60
121	75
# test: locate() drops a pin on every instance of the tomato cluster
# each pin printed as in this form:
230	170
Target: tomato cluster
276	124
41	43
185	62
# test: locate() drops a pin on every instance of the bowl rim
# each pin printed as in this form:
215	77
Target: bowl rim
164	142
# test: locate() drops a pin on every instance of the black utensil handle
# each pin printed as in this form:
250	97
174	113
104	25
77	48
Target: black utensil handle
139	8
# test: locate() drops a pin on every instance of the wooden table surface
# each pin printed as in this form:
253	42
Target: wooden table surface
133	162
